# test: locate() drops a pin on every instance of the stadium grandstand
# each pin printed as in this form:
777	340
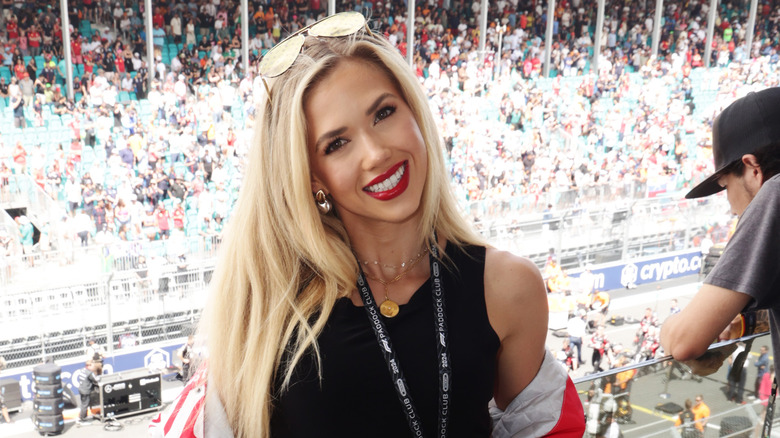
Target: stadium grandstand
569	135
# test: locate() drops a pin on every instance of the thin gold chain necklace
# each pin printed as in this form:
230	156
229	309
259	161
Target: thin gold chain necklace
402	265
389	308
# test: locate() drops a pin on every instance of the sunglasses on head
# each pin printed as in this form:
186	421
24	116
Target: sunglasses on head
282	56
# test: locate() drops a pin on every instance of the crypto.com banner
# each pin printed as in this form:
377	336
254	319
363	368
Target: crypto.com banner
647	270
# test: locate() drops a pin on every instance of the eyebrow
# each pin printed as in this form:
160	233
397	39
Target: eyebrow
377	102
328	135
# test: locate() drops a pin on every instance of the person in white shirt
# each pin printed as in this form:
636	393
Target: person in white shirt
256	43
176	28
137	62
576	328
127	83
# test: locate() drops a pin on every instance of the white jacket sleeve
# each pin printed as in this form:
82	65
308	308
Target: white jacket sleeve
548	406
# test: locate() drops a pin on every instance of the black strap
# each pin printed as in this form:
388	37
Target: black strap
445	371
770	411
393	365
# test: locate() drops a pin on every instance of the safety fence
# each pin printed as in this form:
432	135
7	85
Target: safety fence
601	233
595	233
124	309
20	270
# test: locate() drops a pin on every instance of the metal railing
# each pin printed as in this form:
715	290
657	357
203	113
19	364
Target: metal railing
78	264
645	399
128	308
600	233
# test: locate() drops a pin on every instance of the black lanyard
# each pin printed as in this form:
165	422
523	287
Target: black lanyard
383	339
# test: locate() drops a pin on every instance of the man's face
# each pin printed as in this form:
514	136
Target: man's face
698	401
740	190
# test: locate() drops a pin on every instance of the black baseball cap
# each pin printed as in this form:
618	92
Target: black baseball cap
745	126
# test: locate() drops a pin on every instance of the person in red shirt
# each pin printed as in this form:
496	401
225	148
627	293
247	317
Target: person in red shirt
162	221
527	67
12	28
34	41
119	63
19	69
20	158
178	216
75	149
89	65
158	19
75	50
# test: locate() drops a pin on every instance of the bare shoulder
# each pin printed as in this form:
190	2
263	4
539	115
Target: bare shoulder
514	289
516	302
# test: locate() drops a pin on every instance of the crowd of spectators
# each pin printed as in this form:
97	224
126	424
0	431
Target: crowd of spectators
168	160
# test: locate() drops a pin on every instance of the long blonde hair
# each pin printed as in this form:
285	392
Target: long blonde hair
283	265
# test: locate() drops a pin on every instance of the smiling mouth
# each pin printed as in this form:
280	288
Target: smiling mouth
390	182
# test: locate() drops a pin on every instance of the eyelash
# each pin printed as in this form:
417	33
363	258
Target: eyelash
389	109
334	145
382	114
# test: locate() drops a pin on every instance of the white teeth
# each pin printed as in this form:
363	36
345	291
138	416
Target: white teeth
389	183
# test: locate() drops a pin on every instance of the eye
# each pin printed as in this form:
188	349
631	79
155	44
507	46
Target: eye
384	113
335	145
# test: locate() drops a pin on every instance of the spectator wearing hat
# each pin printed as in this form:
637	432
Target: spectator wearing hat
730	303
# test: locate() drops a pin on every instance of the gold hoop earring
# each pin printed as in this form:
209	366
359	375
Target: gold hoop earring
323	205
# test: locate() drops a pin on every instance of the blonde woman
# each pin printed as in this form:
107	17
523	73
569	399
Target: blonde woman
351	298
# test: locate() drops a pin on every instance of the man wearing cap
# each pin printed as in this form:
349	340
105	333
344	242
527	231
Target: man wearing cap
746	151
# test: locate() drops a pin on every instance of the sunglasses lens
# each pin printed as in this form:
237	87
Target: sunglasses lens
343	24
281	57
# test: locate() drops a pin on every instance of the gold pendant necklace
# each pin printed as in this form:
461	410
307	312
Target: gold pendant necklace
389	308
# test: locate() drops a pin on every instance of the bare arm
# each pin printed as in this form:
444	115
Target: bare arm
687	334
517	309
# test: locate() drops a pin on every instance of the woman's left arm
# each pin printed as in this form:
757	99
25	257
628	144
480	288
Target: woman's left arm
533	393
517	307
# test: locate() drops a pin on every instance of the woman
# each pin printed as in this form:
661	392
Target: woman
190	34
19	69
356	210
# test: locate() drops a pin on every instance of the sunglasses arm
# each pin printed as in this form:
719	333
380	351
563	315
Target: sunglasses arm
267	90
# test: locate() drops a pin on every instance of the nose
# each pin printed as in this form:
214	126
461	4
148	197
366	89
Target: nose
375	151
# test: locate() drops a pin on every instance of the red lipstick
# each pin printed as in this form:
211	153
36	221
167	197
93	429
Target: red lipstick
395	191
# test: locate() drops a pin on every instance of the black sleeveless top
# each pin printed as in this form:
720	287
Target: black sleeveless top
356	397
